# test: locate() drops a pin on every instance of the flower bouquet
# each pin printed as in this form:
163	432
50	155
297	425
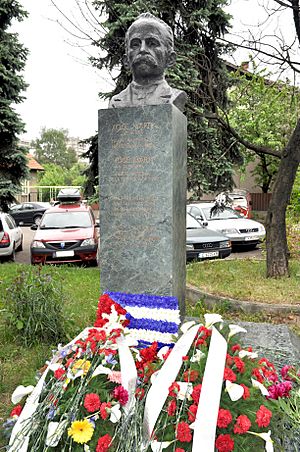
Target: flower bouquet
102	392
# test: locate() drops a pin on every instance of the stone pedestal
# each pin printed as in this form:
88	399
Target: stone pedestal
142	175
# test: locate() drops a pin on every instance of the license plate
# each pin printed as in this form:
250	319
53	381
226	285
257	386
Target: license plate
209	254
251	238
64	253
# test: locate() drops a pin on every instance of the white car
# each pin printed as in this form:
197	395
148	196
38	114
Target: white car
240	230
11	237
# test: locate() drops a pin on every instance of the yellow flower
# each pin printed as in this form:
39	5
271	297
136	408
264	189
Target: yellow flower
81	431
81	364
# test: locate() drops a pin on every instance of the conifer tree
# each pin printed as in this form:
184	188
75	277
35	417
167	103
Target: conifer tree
13	162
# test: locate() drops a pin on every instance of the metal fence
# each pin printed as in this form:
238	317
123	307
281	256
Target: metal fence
261	201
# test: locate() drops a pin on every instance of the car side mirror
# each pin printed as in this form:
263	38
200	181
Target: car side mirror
34	227
204	223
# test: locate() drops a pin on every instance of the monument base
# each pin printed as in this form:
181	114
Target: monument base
142	169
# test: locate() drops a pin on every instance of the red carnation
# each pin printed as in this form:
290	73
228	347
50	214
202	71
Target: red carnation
236	348
103	443
59	373
16	411
246	394
174	389
242	424
92	402
190	375
139	393
256	373
229	375
239	363
224	443
171	409
149	353
121	394
183	433
196	393
224	418
178	449
263	416
192	412
104	410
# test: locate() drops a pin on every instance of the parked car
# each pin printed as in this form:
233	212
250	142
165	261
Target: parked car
240	230
68	232
11	237
28	212
203	243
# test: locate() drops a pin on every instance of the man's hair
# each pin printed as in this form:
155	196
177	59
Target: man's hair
148	16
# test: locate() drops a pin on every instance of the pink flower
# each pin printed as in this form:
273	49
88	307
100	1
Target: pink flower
280	390
115	377
285	371
121	394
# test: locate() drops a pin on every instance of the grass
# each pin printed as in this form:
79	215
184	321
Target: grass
245	280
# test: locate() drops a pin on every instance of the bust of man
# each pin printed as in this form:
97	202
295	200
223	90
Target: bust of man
149	45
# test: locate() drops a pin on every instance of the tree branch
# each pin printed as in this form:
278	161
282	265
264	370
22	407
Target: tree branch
247	144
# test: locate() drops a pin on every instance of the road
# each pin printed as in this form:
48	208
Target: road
23	257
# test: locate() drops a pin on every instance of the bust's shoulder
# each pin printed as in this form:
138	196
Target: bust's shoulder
120	99
179	98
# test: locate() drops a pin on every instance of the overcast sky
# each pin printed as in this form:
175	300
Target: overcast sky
63	91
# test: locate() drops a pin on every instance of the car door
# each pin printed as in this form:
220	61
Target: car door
15	231
27	213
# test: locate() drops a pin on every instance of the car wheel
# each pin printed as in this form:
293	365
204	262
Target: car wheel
37	219
20	247
12	257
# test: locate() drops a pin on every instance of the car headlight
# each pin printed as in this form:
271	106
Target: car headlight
189	246
87	242
225	244
229	231
37	244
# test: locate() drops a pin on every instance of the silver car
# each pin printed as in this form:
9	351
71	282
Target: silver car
240	230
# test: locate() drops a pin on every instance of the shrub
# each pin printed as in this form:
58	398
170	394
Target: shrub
34	307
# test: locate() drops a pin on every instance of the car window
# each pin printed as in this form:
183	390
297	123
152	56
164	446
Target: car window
220	214
16	207
9	222
63	220
28	206
196	212
11	219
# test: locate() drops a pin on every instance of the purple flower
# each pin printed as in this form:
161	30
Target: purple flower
110	359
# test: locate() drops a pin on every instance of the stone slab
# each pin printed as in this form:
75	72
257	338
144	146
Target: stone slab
142	168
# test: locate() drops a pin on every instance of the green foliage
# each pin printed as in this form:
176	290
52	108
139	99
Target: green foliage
34	308
264	113
52	147
198	70
55	176
294	206
13	164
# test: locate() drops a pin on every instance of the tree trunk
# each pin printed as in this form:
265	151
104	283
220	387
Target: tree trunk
277	250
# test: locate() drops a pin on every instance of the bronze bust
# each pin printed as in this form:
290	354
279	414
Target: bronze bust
149	45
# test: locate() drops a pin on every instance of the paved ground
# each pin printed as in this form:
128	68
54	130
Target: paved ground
23	257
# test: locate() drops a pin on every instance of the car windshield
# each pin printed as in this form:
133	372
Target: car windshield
225	213
57	220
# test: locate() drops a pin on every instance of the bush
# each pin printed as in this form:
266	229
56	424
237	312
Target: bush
34	307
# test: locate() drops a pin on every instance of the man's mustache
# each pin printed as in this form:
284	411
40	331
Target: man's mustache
144	58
